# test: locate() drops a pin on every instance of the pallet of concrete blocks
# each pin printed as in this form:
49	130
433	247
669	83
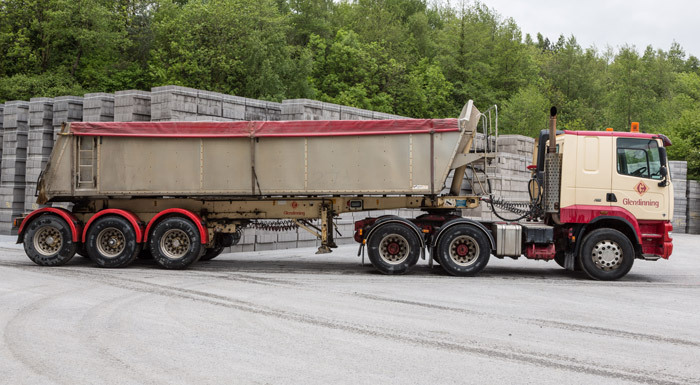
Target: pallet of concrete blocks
2	110
66	109
132	106
209	104
174	103
98	107
14	155
11	206
262	110
516	144
40	136
693	207
302	109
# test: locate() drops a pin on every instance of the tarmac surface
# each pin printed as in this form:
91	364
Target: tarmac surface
290	317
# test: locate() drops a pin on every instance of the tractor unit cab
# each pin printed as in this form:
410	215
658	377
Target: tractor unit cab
605	191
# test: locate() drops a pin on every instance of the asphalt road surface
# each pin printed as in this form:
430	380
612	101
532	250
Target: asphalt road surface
291	317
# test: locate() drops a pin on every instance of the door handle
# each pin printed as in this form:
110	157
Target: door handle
610	197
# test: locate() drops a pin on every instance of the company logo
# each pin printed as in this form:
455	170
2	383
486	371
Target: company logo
295	205
640	202
641	188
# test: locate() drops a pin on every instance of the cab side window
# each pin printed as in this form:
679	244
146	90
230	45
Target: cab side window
638	157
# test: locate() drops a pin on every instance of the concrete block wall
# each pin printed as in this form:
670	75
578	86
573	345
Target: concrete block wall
679	175
132	106
693	207
14	160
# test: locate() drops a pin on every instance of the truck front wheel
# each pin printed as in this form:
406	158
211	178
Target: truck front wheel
111	242
463	250
393	248
48	241
606	254
175	243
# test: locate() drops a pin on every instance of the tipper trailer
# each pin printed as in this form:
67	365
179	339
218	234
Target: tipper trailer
183	191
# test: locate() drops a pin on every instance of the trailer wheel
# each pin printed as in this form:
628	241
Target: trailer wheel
111	242
175	243
606	254
393	248
463	250
48	241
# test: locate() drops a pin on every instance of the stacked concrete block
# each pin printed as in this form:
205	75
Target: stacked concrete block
39	146
174	103
693	207
679	174
132	106
2	109
14	159
66	109
308	109
516	144
98	107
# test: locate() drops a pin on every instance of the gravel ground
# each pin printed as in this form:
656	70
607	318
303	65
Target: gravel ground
295	317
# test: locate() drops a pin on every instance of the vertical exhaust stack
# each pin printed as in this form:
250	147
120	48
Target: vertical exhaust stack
552	170
552	131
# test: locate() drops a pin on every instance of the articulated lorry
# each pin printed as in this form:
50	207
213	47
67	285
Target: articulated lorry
183	191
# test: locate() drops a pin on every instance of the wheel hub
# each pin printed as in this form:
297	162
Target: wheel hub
110	242
48	240
394	249
175	243
607	255
464	250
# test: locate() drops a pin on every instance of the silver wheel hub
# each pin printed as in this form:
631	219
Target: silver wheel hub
110	242
48	240
607	255
394	249
464	250
175	244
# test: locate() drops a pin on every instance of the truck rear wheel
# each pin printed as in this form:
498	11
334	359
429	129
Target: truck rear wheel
606	254
393	248
463	250
48	241
175	243
111	242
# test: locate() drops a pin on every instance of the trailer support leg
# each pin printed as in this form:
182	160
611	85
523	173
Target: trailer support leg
327	241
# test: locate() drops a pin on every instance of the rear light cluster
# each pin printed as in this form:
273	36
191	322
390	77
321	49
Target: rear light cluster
360	227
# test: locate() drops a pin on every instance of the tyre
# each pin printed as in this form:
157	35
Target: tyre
211	253
175	243
111	242
48	241
393	248
463	250
606	254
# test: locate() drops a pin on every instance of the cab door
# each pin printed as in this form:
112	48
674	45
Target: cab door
636	177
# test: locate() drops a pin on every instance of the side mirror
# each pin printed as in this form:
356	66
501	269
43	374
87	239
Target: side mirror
664	174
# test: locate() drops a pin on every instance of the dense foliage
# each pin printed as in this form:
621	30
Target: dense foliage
400	56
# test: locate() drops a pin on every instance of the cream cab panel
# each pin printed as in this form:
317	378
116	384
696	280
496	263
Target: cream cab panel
594	170
636	178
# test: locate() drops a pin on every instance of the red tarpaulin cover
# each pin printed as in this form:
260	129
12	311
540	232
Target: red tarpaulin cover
263	129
